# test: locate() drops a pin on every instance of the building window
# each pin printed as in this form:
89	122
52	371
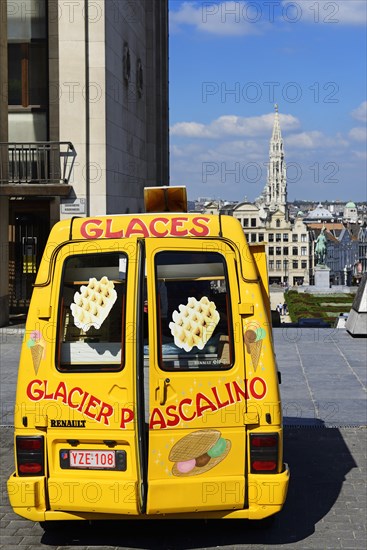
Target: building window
295	251
278	237
271	251
28	81
304	264
303	251
295	264
253	222
253	237
285	237
271	237
304	238
285	265
285	251
139	78
245	222
278	250
278	264
271	265
294	238
261	237
278	223
126	63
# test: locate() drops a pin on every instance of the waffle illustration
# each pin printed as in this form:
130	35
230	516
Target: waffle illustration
198	452
254	336
194	323
93	303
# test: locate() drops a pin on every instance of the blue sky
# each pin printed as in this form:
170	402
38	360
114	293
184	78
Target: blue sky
230	61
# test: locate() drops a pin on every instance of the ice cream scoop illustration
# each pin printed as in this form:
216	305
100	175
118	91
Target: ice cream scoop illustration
253	340
198	452
194	323
93	303
37	346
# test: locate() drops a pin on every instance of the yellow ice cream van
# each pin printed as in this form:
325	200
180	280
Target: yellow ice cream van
147	385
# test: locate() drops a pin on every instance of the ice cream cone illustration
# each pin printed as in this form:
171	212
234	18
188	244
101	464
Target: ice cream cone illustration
198	452
37	347
37	352
253	340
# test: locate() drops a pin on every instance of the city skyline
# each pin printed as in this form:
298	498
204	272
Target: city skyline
232	61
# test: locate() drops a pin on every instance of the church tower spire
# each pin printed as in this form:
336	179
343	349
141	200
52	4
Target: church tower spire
275	192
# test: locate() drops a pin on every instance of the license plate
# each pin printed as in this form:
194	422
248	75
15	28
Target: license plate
88	459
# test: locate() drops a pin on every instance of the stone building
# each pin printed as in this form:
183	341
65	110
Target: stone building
267	220
83	120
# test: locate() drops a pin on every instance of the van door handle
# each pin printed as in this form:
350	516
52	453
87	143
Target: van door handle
162	390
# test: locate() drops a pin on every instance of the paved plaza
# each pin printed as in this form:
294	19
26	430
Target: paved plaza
324	404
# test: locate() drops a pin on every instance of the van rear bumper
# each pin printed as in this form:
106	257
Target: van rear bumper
267	494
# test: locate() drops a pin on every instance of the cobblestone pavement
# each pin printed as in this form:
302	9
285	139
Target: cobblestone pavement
324	403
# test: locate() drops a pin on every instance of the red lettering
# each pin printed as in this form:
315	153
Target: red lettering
72	391
185	401
61	391
153	229
93	401
201	408
34	394
253	392
160	422
109	233
204	228
217	399
83	401
93	233
46	395
140	229
105	412
176	224
228	386
173	415
127	415
239	391
87	459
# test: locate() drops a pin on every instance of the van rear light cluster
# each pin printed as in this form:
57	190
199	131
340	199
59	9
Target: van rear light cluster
30	455
264	453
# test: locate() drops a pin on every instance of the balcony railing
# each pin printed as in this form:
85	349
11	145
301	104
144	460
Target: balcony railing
41	162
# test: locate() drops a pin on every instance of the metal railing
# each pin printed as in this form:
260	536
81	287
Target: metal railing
41	162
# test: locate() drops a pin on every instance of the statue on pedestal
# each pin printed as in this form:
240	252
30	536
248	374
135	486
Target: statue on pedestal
320	248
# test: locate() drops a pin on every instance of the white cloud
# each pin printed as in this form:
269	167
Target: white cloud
358	134
239	18
233	125
315	140
338	12
230	18
361	112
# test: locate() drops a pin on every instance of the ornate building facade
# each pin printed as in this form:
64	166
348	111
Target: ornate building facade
267	221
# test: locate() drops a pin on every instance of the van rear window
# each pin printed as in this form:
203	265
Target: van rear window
193	311
92	313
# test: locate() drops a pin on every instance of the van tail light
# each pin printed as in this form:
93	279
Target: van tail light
30	455
264	453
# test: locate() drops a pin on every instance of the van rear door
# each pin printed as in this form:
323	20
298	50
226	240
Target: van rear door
195	364
89	394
